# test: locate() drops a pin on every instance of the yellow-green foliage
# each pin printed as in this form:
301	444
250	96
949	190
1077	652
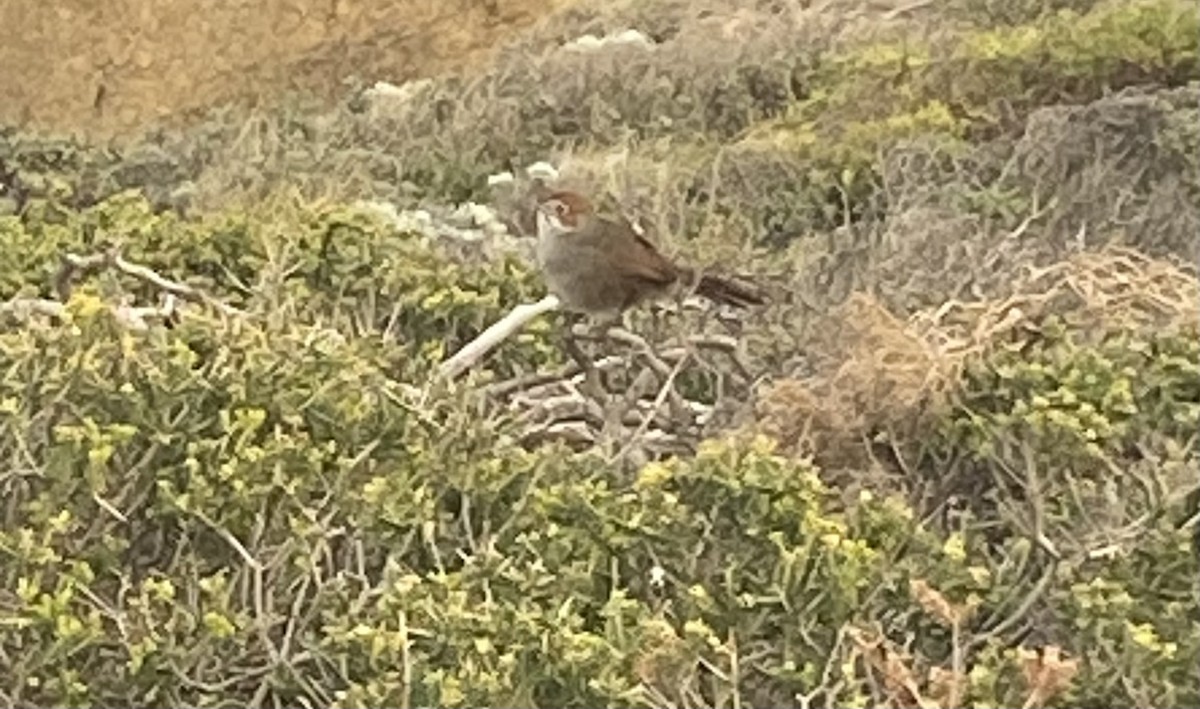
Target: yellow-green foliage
1091	401
260	510
1100	433
1116	42
963	86
1137	612
192	511
388	543
216	511
963	80
340	265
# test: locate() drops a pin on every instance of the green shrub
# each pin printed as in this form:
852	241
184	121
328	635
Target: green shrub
1089	440
276	509
1064	57
1084	402
991	13
959	88
1137	611
254	510
215	512
342	266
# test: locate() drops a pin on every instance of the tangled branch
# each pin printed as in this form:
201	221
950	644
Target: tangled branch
74	265
136	318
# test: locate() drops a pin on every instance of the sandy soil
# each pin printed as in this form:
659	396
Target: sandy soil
103	69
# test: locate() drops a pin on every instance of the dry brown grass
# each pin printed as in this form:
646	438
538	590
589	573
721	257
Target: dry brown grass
876	372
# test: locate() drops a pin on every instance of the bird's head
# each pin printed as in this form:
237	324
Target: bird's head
562	212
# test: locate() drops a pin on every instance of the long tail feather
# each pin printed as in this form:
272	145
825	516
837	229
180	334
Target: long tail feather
728	292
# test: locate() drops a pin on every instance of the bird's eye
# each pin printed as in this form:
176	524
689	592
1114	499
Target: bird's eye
560	208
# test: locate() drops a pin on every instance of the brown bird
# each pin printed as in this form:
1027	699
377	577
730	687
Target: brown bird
600	266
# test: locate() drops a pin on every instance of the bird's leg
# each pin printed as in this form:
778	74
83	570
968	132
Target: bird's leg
570	342
596	329
603	323
593	327
593	384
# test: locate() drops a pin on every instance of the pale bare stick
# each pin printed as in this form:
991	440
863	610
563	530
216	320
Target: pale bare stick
135	318
501	330
75	264
668	387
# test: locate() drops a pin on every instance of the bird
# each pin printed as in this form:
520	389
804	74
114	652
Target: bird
600	266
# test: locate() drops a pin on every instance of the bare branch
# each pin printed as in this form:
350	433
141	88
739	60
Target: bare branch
501	330
74	264
667	387
135	318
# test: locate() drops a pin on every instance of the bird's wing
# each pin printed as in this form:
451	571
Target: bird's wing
643	262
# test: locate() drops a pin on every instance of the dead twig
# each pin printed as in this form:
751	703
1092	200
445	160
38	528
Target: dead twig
135	318
667	387
74	264
501	330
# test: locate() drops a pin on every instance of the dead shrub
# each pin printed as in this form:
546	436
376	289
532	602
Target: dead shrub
875	372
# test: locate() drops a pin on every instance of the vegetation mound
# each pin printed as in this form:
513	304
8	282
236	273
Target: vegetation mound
953	463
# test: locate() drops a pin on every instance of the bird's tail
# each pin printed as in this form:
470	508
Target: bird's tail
728	292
